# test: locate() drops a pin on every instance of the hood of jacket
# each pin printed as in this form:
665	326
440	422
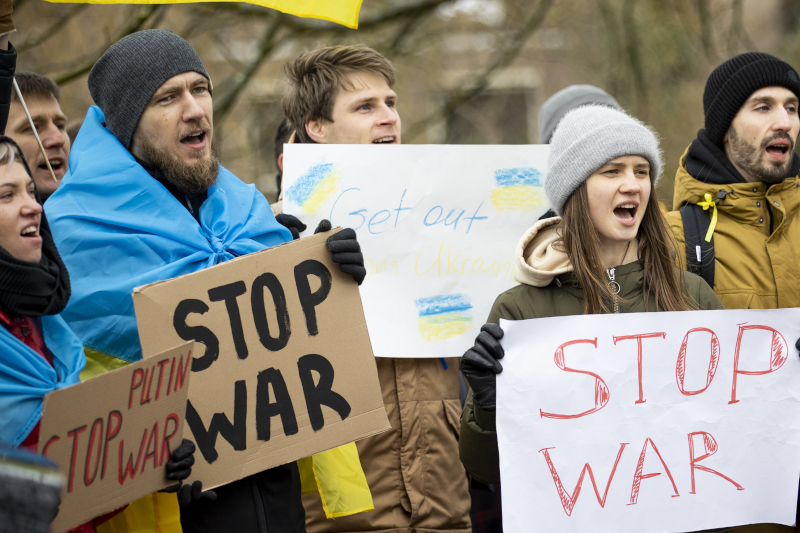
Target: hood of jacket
539	259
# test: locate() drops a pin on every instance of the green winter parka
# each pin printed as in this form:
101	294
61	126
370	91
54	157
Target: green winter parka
548	288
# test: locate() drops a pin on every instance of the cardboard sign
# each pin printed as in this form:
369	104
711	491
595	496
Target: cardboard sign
438	226
112	435
650	422
287	368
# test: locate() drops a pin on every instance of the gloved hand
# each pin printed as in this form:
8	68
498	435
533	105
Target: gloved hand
345	250
797	345
292	223
480	366
179	467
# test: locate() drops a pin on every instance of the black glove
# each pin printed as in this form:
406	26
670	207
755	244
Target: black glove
480	366
179	466
797	345
345	250
292	223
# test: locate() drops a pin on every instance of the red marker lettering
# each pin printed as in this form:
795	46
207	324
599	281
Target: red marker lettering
154	453
160	375
638	476
75	434
713	362
168	435
601	394
122	476
710	448
777	356
180	378
568	501
638	339
135	384
95	434
113	416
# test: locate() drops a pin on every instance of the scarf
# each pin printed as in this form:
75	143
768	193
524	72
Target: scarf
26	377
118	228
707	162
33	289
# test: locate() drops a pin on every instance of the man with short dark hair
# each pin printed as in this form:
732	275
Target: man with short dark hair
738	190
343	95
146	200
43	98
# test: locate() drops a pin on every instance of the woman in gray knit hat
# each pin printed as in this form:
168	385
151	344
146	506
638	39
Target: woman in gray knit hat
608	252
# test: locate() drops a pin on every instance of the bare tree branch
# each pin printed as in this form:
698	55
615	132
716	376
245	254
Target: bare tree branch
471	89
135	25
737	33
632	49
243	77
706	37
51	30
614	45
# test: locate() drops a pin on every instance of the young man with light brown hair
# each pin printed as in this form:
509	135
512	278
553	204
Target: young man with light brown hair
343	95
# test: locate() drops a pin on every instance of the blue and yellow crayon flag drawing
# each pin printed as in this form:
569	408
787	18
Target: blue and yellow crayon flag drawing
315	188
445	316
517	189
344	12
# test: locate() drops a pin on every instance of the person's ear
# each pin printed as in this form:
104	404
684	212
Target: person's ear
280	163
315	130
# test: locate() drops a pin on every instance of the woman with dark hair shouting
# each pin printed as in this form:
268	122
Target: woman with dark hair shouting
39	353
610	251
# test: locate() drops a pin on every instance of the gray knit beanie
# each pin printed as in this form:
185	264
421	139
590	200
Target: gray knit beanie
131	71
586	139
564	101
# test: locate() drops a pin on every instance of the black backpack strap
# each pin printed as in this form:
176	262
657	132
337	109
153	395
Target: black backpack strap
699	252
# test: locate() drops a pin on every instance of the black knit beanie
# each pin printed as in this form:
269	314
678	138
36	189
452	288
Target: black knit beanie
732	83
131	71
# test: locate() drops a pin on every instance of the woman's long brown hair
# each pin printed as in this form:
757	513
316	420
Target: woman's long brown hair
580	240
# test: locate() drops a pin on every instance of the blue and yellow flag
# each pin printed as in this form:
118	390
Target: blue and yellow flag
344	12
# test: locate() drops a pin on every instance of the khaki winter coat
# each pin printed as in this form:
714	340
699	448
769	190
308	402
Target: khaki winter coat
548	288
755	267
417	482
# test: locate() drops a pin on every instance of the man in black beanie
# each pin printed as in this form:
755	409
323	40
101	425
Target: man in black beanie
144	157
737	191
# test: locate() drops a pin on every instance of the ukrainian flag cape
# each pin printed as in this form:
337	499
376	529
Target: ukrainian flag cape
25	376
117	228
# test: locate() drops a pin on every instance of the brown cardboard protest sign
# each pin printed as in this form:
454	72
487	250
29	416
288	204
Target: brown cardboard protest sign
286	369
112	435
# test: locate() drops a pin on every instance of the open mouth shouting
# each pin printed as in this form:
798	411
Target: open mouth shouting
388	139
626	213
195	140
779	149
58	165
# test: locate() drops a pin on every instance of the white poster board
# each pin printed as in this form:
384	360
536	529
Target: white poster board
437	224
708	437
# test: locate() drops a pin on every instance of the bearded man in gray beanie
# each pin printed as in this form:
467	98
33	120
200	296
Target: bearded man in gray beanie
145	199
737	190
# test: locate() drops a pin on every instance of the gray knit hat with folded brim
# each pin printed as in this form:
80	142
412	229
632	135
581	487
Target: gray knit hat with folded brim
564	101
586	139
123	81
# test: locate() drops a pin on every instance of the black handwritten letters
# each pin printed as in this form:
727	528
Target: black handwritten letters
273	401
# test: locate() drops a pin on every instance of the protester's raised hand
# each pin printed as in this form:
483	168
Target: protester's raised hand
345	251
480	366
292	223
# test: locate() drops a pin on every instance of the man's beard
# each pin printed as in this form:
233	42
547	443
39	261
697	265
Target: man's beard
190	178
748	157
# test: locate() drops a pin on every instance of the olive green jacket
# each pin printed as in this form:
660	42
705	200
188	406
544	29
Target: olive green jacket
561	297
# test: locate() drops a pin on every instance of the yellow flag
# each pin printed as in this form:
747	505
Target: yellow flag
344	12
